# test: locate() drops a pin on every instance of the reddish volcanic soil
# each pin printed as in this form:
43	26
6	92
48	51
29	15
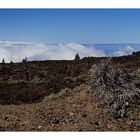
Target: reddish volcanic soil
54	96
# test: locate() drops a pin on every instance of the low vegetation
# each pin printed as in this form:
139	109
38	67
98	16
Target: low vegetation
116	84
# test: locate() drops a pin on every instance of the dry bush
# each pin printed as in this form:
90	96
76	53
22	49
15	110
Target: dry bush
116	84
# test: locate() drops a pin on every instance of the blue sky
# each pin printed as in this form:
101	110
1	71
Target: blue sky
41	34
70	25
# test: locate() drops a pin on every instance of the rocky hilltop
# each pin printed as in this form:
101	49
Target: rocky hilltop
91	94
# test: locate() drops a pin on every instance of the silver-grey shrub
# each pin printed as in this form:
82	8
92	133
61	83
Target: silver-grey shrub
115	84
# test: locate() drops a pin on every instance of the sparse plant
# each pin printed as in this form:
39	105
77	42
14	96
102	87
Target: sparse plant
77	57
24	60
24	63
3	61
115	84
11	62
28	75
63	93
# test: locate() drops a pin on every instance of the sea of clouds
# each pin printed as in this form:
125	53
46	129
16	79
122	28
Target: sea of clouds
16	51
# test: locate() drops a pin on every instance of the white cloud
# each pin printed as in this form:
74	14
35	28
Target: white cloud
4	54
127	50
16	51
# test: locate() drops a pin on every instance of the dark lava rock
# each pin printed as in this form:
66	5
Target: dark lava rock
55	121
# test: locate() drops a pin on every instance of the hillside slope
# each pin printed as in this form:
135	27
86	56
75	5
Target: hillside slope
57	96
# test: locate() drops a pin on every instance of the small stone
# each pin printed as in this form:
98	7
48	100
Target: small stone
71	114
5	118
39	126
137	124
84	115
126	103
108	126
97	123
71	121
55	121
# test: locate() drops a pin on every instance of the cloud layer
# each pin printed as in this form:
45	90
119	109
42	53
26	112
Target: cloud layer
127	50
16	51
